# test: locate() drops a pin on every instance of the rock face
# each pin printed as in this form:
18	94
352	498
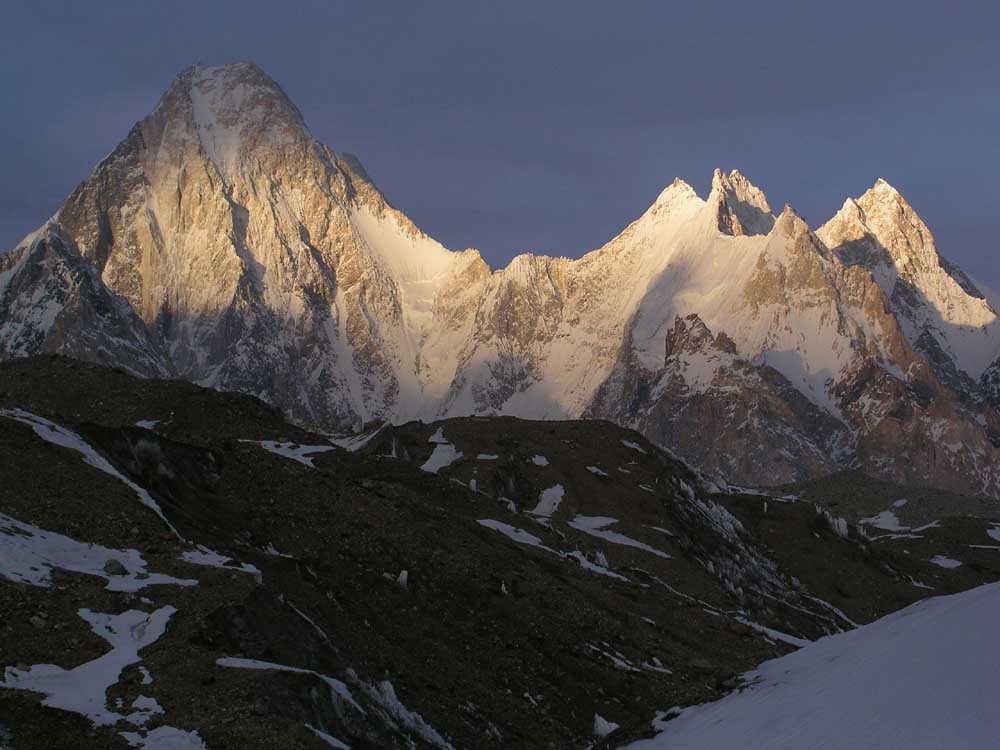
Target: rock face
232	249
53	300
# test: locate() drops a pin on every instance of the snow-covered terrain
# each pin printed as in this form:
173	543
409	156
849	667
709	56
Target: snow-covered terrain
924	678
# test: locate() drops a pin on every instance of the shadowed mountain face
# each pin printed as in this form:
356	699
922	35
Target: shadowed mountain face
242	254
179	563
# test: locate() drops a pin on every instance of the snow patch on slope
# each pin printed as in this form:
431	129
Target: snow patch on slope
301	453
597	526
83	689
28	554
548	501
444	453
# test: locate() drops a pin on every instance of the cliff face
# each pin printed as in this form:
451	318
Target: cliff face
220	242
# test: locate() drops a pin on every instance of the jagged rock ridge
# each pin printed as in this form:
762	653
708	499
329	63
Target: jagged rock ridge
238	252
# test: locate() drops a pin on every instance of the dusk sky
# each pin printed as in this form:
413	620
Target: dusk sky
546	127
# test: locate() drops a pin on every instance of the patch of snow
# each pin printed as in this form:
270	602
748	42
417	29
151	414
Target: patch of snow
384	694
204	556
28	554
618	661
945	562
593	567
329	739
885	520
523	537
82	690
776	635
308	619
165	738
595	470
603	727
993	533
837	525
518	535
487	457
301	453
336	686
445	454
548	501
147	424
145	708
836	610
540	461
596	526
354	443
633	446
655	665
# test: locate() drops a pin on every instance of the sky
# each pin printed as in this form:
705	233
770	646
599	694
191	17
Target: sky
540	126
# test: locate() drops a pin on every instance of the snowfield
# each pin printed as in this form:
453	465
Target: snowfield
924	678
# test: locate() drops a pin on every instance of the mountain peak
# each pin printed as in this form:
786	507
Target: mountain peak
237	67
883	214
678	190
896	224
882	193
232	107
790	223
742	207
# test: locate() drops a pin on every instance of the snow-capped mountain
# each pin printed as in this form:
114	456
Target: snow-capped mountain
939	308
243	254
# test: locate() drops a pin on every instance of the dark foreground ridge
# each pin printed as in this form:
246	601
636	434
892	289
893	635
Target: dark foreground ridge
473	583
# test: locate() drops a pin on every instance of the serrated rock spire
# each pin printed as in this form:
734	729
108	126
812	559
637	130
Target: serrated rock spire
741	207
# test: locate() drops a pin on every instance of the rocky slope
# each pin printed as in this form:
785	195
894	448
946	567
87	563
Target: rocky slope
180	565
242	254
